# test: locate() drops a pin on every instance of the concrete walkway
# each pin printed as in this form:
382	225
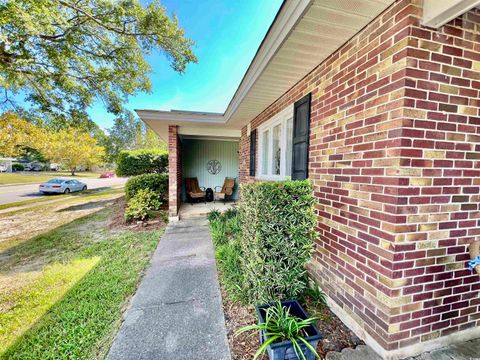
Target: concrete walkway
177	310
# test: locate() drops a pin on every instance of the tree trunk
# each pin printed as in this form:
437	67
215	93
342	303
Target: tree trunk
73	171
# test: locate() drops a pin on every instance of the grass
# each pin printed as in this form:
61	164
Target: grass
16	178
71	196
63	292
37	177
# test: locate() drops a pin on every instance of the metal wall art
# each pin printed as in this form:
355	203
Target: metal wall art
214	167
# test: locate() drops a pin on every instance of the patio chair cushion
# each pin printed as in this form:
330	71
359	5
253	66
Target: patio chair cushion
192	188
196	195
227	188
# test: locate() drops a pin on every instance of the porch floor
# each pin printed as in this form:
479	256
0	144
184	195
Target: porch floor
188	211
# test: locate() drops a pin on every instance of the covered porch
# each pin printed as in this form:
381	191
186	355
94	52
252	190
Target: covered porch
202	149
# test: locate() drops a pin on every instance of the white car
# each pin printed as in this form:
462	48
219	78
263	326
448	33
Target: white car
62	186
3	168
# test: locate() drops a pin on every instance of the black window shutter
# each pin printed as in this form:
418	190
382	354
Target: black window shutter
253	151
301	134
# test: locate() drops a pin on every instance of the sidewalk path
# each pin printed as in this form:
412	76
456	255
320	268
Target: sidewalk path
177	311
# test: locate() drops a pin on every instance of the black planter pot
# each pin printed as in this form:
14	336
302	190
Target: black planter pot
284	350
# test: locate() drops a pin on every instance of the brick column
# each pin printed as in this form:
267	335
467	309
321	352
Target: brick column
174	171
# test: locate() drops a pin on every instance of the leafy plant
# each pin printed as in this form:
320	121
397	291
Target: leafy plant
314	294
277	223
142	204
226	237
213	215
280	326
228	261
156	182
218	230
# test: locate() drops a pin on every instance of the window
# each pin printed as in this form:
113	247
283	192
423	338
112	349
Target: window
275	148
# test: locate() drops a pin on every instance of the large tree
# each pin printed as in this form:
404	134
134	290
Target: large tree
128	133
18	135
64	54
73	148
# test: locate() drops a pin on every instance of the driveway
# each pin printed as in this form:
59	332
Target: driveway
16	193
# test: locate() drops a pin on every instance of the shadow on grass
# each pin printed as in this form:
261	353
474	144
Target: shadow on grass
89	205
53	242
82	323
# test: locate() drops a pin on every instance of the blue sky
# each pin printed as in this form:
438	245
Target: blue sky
227	34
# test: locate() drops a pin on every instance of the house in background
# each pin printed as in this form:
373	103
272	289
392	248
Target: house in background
6	164
377	103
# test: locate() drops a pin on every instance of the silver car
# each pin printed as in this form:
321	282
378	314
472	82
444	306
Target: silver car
62	186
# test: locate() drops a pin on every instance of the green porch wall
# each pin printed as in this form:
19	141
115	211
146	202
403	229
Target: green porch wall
197	153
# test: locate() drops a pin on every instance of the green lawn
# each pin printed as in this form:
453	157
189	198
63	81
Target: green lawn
38	177
63	292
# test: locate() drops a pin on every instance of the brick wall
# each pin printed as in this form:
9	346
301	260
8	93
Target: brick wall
395	135
174	171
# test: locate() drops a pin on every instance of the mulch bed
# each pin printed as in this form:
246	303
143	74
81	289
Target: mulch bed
118	222
336	336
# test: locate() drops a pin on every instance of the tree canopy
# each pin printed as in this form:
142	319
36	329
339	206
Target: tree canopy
72	148
129	133
64	54
17	135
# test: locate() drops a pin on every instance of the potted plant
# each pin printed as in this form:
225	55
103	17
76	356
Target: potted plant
286	332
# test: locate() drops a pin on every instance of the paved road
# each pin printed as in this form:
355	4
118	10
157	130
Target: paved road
15	193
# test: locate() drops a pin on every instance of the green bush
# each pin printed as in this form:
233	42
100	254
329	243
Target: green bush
142	204
277	222
158	183
145	161
18	167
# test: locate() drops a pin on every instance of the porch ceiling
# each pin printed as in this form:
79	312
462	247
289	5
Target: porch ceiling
303	34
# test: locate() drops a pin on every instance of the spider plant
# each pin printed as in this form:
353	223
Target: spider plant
280	326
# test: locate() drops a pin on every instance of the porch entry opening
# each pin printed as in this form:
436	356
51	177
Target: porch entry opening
210	161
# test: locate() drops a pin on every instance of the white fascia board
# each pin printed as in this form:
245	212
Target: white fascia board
177	116
209	131
281	29
437	13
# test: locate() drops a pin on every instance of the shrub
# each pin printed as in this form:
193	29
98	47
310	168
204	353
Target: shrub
145	161
278	229
142	204
158	183
18	167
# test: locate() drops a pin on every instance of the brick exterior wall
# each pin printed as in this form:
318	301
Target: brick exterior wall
394	150
174	171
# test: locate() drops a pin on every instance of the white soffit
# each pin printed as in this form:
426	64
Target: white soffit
325	26
303	34
437	13
190	123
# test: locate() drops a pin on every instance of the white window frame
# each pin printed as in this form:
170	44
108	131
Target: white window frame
281	118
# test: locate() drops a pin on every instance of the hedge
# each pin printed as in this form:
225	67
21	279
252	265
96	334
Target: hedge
145	161
277	223
18	167
155	182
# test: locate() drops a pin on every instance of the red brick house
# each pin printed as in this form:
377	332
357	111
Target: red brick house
377	103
